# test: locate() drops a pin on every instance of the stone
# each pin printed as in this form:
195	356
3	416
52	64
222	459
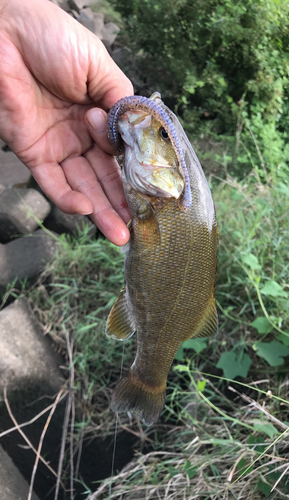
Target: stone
64	223
13	172
27	356
12	484
87	21
62	4
94	21
78	4
120	55
99	24
17	207
30	370
25	258
74	14
109	33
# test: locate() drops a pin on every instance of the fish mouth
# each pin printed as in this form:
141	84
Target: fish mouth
149	168
153	180
163	182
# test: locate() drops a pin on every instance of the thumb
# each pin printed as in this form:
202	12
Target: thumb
106	82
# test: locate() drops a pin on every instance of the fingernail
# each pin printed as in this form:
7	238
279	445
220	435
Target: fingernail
97	121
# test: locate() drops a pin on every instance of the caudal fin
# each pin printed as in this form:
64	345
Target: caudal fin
143	400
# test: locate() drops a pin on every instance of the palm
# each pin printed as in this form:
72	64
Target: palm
50	79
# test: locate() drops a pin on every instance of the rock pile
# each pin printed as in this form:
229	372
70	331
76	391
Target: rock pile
24	247
94	21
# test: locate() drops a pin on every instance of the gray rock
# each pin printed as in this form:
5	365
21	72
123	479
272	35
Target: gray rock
109	33
13	172
12	484
17	207
74	14
64	223
94	21
120	55
78	4
62	4
87	21
27	357
99	24
25	258
29	368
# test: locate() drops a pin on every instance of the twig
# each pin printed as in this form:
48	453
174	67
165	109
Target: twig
79	452
41	443
63	441
71	386
254	403
16	428
279	479
24	436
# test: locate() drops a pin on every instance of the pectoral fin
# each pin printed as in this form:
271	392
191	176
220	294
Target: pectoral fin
147	225
208	325
120	325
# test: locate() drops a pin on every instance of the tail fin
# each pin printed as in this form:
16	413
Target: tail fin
143	400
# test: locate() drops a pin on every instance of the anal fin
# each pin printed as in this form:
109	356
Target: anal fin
120	325
208	326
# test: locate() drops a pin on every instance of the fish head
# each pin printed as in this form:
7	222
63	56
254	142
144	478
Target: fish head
151	165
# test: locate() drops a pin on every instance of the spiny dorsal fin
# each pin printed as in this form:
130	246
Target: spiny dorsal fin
208	326
119	324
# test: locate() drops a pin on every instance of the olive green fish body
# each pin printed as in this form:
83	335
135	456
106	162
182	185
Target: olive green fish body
170	274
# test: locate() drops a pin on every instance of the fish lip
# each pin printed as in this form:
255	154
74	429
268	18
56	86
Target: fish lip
159	192
147	166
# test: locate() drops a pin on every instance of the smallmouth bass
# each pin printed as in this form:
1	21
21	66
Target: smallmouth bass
171	261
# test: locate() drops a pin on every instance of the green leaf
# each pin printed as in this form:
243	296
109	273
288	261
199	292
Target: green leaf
197	344
154	478
283	188
201	385
172	471
264	487
273	289
258	443
273	352
242	465
222	82
265	427
191	470
234	365
180	354
262	325
283	338
251	261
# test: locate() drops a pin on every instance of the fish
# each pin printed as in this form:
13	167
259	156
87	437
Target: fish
171	258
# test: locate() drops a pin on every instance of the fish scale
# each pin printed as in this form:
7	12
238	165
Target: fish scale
170	274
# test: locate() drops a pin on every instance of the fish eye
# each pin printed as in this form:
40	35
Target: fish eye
164	135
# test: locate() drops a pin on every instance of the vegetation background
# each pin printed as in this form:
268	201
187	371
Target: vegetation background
223	66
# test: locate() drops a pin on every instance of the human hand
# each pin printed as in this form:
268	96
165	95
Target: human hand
56	80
